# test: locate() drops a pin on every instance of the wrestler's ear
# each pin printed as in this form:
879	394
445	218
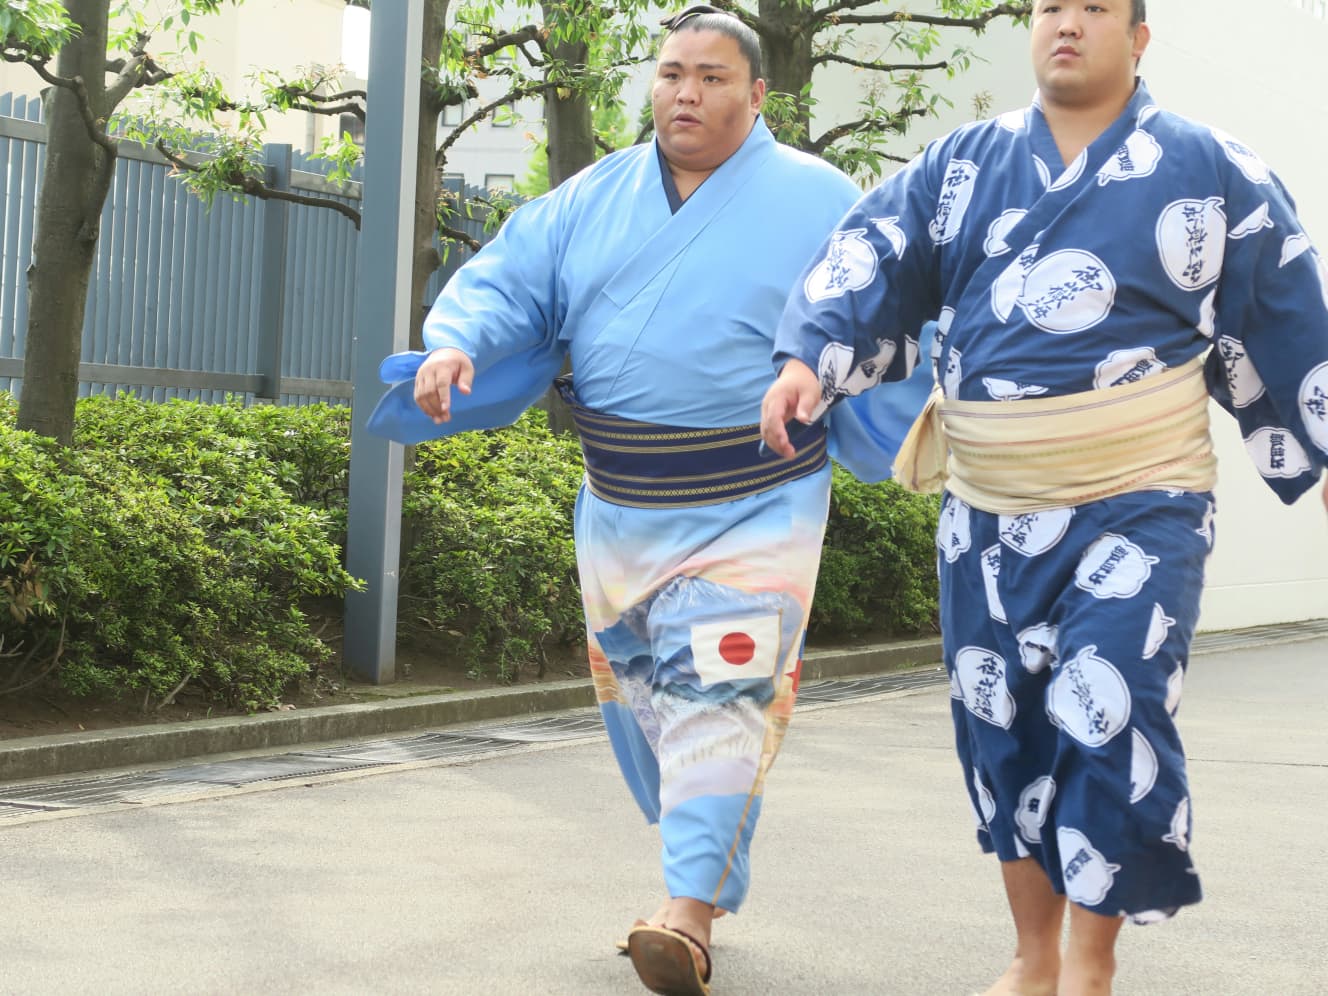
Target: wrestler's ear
1142	36
758	95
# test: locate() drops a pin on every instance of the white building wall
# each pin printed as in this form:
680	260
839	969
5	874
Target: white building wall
278	35
1259	72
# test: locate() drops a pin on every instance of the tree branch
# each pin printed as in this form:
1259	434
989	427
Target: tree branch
38	65
319	98
456	235
256	188
831	15
878	66
96	129
510	97
894	123
139	70
509	39
356	109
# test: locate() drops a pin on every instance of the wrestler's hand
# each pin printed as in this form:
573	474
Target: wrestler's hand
442	370
795	394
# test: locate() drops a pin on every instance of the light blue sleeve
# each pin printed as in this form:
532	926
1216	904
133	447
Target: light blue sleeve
503	310
505	299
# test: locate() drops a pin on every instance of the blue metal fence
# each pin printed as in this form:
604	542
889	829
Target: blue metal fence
249	298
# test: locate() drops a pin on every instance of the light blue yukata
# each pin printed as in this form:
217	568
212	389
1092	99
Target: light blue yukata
1067	630
696	601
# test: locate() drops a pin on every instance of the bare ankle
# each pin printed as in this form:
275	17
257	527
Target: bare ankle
1025	977
1086	975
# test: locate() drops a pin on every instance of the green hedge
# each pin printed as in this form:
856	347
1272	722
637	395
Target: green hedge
166	549
174	544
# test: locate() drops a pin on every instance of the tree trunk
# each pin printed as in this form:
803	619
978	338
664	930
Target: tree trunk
65	244
570	134
427	179
567	119
786	51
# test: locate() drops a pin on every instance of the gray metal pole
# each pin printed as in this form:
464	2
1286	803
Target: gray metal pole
272	272
382	326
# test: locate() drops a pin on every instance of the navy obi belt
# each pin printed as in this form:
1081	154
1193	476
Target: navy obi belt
644	465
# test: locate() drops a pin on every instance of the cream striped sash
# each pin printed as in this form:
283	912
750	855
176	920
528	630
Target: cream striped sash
1012	457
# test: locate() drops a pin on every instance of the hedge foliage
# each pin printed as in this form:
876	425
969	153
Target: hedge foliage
168	548
175	544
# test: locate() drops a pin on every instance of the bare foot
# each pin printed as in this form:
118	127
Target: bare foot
658	918
1018	981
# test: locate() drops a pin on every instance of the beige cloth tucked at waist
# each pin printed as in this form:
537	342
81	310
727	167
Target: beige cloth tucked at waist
1012	457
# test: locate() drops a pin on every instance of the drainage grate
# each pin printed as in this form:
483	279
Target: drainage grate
428	747
575	725
79	793
248	770
8	809
844	690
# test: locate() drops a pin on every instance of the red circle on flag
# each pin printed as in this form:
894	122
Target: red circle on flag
737	648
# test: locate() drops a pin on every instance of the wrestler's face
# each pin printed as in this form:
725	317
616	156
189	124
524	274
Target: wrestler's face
1085	52
704	99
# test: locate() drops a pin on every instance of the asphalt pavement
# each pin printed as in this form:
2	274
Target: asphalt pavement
512	872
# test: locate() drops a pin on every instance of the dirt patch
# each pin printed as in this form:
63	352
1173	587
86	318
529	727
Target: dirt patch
425	664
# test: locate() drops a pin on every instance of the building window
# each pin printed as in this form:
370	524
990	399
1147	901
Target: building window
351	125
453	115
503	117
500	181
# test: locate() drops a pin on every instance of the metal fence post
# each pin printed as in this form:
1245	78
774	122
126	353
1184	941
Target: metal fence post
382	326
272	272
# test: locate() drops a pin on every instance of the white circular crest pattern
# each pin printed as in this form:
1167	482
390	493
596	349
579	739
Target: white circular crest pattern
1113	567
981	674
1314	405
1034	533
1088	875
1277	454
1127	366
1071	290
956	195
1243	380
1134	160
1089	699
850	264
1191	241
1034	805
995	245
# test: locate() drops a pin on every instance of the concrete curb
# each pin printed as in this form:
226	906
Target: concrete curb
68	753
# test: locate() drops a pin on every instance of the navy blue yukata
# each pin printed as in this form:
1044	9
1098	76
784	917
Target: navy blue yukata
1067	631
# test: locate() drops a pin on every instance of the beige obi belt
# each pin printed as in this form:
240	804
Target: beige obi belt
1012	457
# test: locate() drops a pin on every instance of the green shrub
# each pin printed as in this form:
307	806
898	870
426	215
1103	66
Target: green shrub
167	552
491	562
878	565
173	546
